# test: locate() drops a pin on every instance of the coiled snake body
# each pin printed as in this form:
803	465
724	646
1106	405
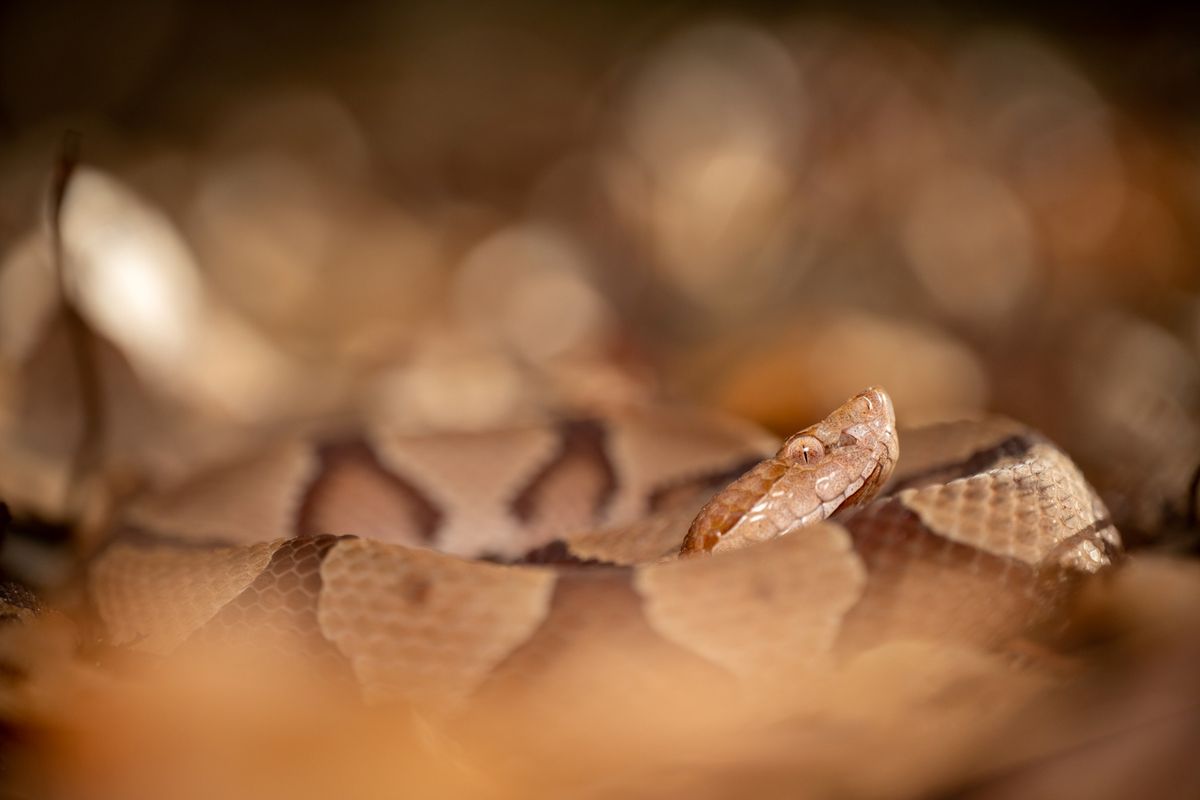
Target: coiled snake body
436	569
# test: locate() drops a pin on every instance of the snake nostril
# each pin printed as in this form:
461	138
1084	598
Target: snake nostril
847	440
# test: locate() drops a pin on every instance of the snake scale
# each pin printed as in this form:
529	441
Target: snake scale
441	569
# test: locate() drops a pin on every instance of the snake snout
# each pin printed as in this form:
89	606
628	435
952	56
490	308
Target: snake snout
879	403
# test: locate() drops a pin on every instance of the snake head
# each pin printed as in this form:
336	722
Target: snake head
866	423
841	461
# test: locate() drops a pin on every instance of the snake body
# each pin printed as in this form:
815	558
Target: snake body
439	569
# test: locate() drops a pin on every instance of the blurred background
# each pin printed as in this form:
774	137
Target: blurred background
455	216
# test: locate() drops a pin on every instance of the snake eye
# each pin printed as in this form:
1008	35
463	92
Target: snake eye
805	449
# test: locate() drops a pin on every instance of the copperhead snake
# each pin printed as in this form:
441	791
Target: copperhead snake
438	569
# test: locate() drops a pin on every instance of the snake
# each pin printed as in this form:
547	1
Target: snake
580	556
